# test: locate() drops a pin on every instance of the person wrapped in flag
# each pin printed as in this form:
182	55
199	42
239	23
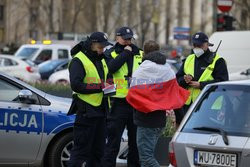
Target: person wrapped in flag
153	90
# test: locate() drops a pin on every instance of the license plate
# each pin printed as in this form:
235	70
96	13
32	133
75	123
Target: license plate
214	158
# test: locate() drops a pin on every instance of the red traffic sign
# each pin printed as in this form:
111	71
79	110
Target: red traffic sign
225	5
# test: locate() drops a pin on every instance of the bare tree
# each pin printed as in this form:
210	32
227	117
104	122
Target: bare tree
48	7
107	9
244	5
130	12
168	20
180	12
191	21
118	15
78	7
145	13
33	12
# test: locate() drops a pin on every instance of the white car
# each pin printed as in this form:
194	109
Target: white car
39	53
242	75
23	70
60	77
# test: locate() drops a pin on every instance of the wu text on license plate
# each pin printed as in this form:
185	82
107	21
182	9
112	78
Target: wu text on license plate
214	158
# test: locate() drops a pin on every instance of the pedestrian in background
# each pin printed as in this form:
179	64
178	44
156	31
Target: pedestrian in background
122	59
159	92
88	72
200	68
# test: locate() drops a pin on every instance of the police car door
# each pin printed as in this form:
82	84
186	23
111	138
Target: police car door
20	124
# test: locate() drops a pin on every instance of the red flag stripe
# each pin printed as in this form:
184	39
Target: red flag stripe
162	96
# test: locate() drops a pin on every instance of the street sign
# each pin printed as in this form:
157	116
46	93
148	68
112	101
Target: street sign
181	33
181	30
225	5
181	37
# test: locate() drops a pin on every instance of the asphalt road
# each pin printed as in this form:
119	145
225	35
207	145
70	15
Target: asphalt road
123	165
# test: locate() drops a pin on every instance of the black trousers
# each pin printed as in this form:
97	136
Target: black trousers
121	116
89	141
180	113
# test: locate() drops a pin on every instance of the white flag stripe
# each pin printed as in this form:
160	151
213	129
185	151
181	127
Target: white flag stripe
152	73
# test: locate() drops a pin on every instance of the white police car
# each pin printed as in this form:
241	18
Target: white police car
34	127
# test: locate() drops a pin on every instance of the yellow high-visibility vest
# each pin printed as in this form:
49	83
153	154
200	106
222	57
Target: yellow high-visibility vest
119	75
92	76
206	75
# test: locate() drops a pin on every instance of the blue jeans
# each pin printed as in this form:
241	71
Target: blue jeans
146	141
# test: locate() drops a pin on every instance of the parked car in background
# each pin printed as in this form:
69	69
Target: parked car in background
61	77
39	53
21	69
240	75
49	67
216	129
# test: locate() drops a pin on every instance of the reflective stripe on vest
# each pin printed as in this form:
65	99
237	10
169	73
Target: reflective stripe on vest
119	76
92	76
206	75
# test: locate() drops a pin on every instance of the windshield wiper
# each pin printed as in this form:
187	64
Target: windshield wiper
218	130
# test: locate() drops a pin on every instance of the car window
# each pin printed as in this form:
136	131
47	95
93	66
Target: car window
27	52
227	107
8	92
44	55
8	62
63	54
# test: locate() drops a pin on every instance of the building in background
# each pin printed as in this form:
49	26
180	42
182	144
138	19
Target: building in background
23	20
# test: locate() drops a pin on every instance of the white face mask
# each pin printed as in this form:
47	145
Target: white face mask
198	51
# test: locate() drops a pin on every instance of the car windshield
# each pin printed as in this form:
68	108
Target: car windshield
27	52
224	107
50	65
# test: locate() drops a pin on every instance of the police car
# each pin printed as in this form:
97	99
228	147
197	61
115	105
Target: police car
34	127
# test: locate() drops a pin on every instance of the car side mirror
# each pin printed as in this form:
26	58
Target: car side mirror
25	96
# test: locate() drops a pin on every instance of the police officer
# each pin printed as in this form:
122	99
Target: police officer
88	72
122	59
200	68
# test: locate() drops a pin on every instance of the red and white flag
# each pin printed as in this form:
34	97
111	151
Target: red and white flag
154	87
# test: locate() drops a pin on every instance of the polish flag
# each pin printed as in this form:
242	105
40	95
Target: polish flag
154	87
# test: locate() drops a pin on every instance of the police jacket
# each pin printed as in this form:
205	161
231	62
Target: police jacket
121	65
125	56
220	72
77	74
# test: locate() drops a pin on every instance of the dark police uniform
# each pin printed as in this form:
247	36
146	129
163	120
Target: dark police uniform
88	103
121	65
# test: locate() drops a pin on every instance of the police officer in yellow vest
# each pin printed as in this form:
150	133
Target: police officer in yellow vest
122	59
88	73
200	68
